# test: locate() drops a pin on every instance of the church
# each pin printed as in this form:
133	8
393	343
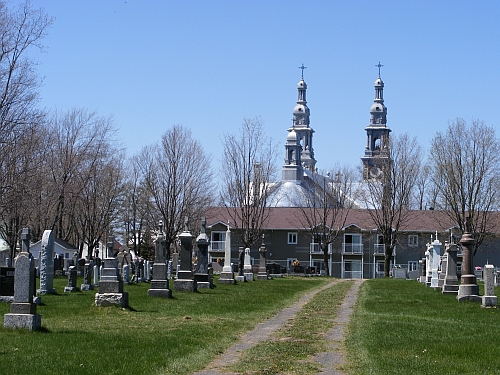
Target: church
358	251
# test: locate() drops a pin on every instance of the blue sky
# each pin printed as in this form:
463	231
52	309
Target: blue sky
208	64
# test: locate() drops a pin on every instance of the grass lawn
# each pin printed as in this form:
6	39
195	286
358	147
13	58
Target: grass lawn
403	327
153	336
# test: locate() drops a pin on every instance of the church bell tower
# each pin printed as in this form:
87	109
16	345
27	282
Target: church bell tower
377	134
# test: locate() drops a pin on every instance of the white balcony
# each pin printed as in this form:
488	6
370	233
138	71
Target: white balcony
352	248
314	248
217	245
379	249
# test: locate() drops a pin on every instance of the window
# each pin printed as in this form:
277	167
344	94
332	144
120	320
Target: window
292	238
218	241
353	243
413	240
412	265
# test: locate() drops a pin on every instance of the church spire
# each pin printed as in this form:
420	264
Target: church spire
300	124
377	133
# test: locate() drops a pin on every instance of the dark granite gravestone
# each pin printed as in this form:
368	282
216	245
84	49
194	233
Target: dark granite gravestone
72	278
202	277
159	283
111	285
450	284
23	310
262	275
7	281
185	279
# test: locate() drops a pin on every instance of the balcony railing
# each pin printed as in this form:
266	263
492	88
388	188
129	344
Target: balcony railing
314	248
379	249
217	245
352	248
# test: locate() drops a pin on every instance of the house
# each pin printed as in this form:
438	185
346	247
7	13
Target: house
61	249
358	251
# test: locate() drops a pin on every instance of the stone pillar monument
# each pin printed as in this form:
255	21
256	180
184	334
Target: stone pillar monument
468	289
185	279
23	310
159	284
421	268
227	275
111	284
46	265
436	254
450	285
202	277
262	275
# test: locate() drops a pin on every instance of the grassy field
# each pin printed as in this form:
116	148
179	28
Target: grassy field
153	336
402	327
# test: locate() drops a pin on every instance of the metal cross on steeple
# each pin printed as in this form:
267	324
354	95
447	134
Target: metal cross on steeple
302	67
379	65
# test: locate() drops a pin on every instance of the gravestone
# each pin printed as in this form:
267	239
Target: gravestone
159	283
436	254
227	275
247	266
399	273
185	279
23	310
428	265
450	284
111	285
7	284
422	271
80	266
170	270
126	274
468	289
241	264
202	277
489	299
262	275
88	268
46	264
147	270
96	275
72	278
442	269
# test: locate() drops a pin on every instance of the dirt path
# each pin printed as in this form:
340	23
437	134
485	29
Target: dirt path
264	330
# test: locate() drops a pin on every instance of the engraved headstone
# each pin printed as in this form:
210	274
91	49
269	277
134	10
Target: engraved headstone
23	310
72	279
88	268
159	283
202	277
185	279
262	275
111	285
489	299
450	284
468	289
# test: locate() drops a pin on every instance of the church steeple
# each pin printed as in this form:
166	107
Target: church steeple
377	133
301	114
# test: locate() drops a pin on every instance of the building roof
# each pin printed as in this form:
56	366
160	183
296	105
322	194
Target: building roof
291	218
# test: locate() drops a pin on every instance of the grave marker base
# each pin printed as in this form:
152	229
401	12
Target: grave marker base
30	322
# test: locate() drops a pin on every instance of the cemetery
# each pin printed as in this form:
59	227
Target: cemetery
93	308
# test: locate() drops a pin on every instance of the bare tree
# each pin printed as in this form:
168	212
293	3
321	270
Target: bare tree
389	197
465	163
138	206
326	207
100	198
21	30
178	176
248	168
